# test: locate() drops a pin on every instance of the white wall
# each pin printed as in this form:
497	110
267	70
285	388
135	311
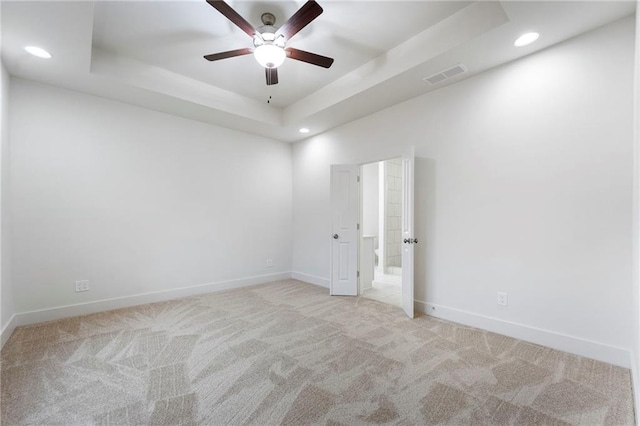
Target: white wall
524	185
370	198
6	290
137	201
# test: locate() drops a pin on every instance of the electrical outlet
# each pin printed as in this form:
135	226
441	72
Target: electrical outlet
82	286
269	263
502	299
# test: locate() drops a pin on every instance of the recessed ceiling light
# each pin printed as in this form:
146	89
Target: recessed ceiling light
525	39
304	130
38	51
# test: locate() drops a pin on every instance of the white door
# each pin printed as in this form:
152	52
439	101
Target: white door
408	231
344	230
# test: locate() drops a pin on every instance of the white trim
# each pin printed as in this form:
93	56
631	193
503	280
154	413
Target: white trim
563	342
635	384
50	314
8	330
311	279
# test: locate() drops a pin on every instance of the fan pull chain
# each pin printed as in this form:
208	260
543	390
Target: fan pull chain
269	93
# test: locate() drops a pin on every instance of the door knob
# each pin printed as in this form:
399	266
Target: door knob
407	241
415	241
335	236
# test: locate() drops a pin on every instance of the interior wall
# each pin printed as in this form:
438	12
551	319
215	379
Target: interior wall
523	185
6	289
137	201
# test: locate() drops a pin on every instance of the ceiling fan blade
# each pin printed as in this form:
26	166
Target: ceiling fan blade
233	16
307	13
272	76
228	54
308	57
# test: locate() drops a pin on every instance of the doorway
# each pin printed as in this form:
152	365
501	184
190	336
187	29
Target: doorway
381	237
346	233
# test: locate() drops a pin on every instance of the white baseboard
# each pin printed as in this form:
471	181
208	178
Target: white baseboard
50	314
635	383
7	330
575	345
322	282
578	346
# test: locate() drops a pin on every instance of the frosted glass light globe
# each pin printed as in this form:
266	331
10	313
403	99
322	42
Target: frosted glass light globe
269	56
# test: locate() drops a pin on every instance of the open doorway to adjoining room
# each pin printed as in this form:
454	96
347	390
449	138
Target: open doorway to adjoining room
381	234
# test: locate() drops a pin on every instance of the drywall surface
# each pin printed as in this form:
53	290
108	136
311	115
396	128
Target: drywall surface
137	201
523	186
6	289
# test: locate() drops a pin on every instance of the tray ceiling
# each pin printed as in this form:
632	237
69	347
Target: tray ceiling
150	53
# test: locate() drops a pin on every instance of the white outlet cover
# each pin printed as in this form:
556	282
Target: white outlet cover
269	263
82	285
502	299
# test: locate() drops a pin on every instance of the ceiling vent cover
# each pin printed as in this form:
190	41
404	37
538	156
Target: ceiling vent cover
446	74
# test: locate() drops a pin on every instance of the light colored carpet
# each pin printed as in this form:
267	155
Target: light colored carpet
287	353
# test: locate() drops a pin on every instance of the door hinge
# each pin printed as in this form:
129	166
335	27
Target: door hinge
358	276
358	178
358	226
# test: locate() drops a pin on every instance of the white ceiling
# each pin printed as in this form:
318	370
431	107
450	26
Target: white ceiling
150	53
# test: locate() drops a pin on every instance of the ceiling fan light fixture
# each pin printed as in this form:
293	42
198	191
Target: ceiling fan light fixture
526	39
269	55
269	42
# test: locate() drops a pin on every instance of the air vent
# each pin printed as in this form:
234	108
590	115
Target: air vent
446	74
435	79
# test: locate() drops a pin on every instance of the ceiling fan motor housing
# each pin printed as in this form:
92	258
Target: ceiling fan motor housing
268	33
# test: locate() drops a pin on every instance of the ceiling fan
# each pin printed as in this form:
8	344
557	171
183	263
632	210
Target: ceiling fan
269	42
